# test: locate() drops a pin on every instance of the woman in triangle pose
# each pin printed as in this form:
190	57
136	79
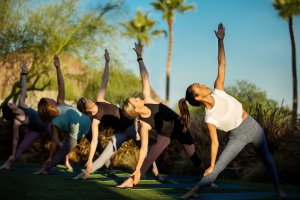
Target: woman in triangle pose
225	113
154	115
22	115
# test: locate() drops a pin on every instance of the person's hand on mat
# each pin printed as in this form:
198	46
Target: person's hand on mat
88	165
208	171
136	176
41	171
56	61
106	56
221	32
138	50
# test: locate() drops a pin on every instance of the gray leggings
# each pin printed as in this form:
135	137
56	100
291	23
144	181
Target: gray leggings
114	144
67	146
249	131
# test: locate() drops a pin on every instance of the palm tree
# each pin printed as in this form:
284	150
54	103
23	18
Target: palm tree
287	9
140	28
168	9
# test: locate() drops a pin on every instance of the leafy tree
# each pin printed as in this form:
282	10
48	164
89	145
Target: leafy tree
37	33
168	9
249	94
287	9
141	28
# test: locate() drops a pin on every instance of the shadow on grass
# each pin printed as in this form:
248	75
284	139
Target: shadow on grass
20	184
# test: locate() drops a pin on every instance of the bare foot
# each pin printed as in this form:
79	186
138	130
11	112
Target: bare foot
281	194
191	193
159	178
5	166
81	176
126	184
41	171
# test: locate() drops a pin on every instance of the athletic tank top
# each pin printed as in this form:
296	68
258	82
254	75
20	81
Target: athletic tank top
110	116
72	122
226	113
162	119
34	121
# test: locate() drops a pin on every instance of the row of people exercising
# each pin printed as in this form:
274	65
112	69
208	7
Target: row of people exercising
139	115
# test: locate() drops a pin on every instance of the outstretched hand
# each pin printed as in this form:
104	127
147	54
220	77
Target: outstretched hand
23	66
221	32
208	171
138	50
136	176
88	165
56	61
106	56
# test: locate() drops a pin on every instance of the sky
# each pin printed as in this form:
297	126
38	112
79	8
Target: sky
257	46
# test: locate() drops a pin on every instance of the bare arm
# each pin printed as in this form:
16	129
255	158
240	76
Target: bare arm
143	71
214	147
23	85
93	146
54	140
102	90
16	127
143	151
220	34
60	81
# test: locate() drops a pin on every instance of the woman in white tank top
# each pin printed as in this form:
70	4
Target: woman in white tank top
224	112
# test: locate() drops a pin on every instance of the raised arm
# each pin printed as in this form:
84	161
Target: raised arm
60	81
220	34
214	148
23	84
143	71
102	90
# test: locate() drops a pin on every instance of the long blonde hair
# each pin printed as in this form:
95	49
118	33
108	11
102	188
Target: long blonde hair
128	110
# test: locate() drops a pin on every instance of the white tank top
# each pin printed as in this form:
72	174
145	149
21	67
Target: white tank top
226	113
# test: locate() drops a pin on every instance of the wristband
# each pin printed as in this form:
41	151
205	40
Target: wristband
139	59
24	73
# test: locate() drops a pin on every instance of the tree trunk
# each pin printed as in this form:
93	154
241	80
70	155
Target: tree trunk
170	49
294	71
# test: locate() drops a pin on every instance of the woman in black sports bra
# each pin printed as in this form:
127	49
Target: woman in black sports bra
157	116
20	115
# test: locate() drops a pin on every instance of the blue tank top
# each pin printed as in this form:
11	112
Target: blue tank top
71	121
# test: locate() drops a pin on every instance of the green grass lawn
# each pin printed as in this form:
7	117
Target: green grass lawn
20	184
